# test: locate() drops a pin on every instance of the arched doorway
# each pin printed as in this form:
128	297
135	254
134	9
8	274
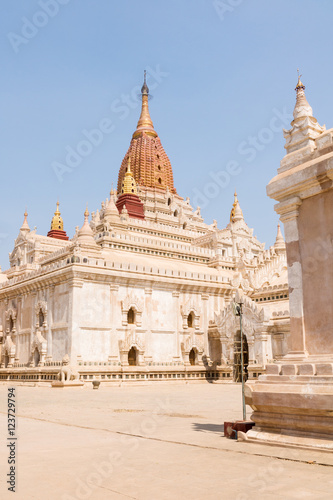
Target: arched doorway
6	360
237	371
36	357
132	358
192	357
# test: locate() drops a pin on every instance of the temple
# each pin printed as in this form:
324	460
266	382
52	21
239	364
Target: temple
144	289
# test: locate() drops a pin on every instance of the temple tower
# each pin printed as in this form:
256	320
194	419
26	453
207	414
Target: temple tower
150	165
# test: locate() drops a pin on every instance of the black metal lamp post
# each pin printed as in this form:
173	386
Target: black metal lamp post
238	310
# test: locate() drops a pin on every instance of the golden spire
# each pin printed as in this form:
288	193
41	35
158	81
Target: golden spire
145	123
129	184
57	222
232	213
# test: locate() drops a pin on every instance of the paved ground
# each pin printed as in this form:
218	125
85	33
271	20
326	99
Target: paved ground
154	442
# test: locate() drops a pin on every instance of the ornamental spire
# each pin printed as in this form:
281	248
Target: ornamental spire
304	127
302	107
232	213
145	123
150	165
57	223
86	235
236	211
25	226
279	244
129	184
57	226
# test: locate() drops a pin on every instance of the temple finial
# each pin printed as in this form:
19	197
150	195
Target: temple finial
304	128
299	83
145	124
129	184
57	223
232	213
279	244
25	225
144	88
236	212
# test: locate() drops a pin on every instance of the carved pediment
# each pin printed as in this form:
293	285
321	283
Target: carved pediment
39	343
9	347
132	339
132	301
193	342
189	307
254	318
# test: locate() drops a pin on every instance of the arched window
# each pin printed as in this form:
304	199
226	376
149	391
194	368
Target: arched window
132	356
36	357
40	318
175	213
6	360
169	201
131	316
11	324
184	225
190	320
159	180
192	357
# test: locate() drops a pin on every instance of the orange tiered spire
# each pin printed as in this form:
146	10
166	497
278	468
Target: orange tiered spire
150	164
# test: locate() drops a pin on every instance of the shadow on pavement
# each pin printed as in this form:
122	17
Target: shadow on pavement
219	429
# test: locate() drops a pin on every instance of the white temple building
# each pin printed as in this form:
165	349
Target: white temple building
144	289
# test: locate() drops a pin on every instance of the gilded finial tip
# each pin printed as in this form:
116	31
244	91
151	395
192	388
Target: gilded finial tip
299	83
144	88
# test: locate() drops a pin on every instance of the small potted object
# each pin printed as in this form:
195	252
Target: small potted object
96	384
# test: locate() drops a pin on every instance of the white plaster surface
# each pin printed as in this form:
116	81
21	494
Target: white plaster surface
296	293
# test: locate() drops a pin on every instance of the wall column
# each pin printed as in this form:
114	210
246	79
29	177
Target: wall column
289	211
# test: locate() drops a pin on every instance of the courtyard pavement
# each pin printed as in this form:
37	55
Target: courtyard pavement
148	442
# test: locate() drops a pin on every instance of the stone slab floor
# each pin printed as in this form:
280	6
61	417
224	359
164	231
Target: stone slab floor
148	442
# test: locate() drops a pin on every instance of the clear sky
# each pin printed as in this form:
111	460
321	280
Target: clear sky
222	75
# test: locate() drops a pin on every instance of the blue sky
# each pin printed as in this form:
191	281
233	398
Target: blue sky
222	75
